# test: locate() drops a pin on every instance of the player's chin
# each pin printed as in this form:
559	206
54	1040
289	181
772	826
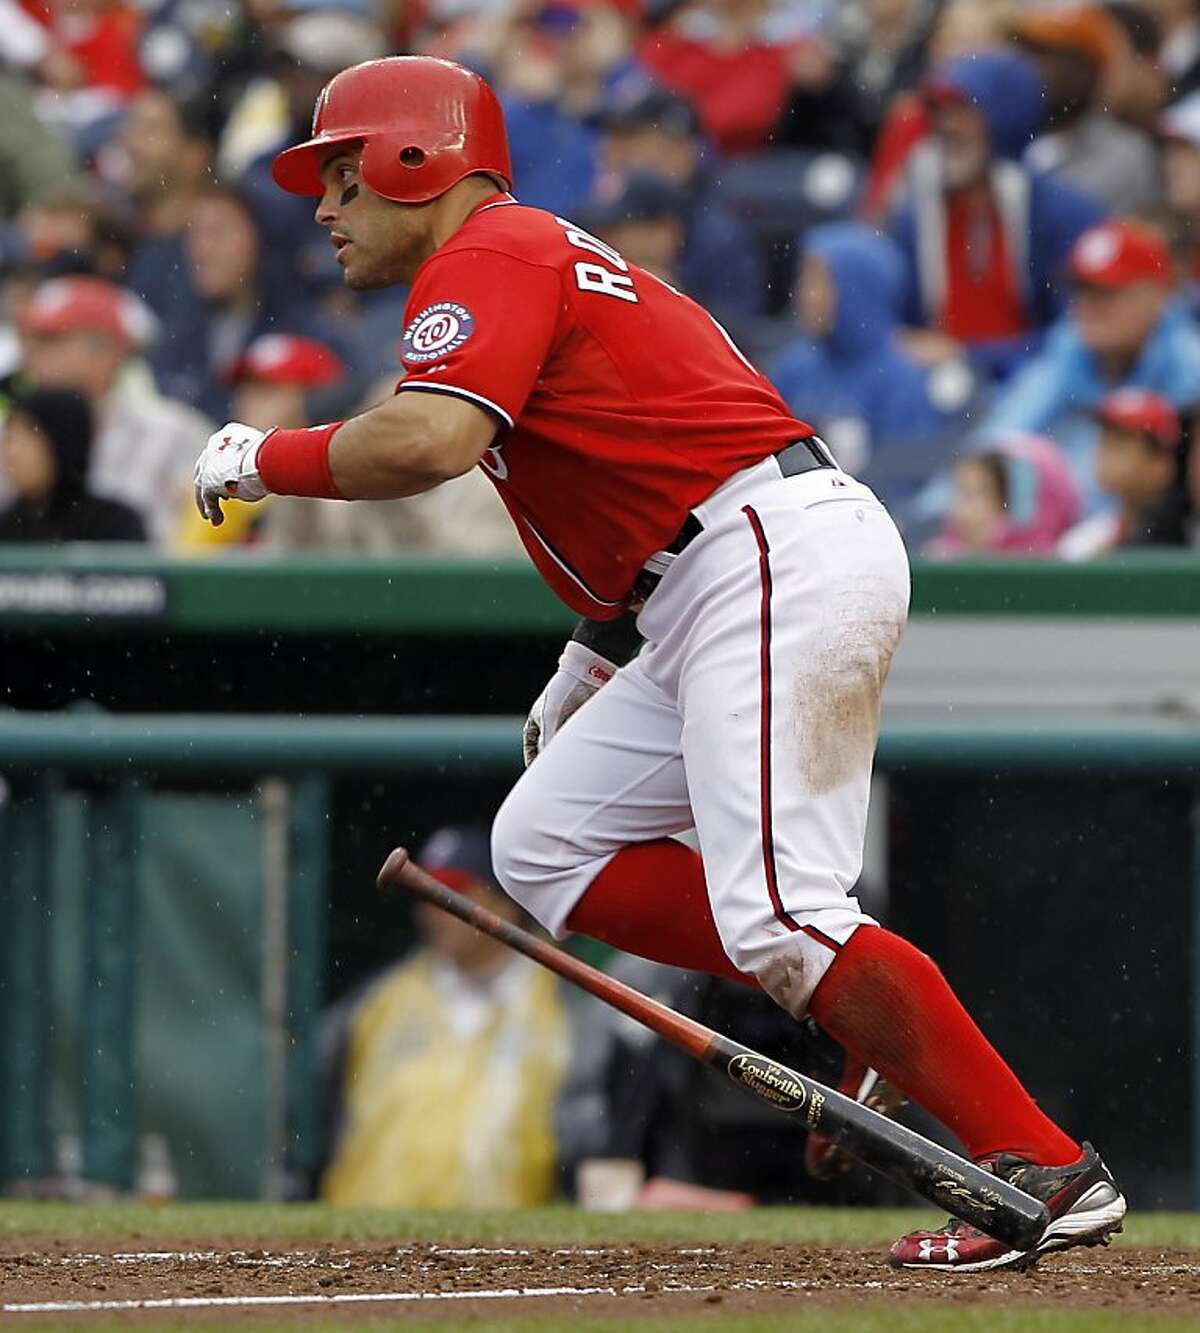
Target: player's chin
362	276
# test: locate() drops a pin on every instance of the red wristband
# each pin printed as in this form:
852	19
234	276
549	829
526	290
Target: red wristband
296	462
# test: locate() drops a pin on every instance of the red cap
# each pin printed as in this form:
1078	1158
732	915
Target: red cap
284	358
1143	413
1115	254
72	305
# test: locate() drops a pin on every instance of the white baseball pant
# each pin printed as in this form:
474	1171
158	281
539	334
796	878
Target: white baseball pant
752	714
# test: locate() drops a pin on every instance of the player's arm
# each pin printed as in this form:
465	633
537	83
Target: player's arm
407	445
594	653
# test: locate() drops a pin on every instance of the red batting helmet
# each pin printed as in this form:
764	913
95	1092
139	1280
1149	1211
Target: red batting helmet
423	123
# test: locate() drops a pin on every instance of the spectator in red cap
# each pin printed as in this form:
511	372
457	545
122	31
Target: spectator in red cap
274	384
1126	328
1138	466
272	381
87	334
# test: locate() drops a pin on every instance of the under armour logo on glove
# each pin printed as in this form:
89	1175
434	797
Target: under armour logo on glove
228	469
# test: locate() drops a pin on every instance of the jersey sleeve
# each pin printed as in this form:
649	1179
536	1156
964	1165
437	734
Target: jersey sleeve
480	325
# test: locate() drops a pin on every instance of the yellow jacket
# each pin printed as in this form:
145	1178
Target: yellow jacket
449	1090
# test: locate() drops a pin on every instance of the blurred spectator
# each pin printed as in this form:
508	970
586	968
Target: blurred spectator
1125	329
722	57
1133	88
962	27
72	229
96	70
309	42
450	1063
237	290
646	224
1180	130
1179	54
844	82
167	149
699	1141
1137	465
1113	162
654	132
982	236
1017	498
47	443
86	334
556	69
886	417
27	176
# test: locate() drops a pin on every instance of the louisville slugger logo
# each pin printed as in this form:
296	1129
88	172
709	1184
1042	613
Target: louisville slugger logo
773	1083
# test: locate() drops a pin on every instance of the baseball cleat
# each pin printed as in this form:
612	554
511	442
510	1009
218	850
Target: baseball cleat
1086	1208
823	1159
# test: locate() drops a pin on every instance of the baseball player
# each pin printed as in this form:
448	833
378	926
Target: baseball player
741	599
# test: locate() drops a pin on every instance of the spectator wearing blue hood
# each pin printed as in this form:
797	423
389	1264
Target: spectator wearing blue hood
887	417
983	237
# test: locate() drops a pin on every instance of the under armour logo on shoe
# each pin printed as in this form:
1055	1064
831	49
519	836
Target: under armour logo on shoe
948	1245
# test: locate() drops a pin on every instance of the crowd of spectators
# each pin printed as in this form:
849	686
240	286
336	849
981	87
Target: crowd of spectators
962	236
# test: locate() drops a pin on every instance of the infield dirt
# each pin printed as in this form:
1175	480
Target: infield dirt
460	1283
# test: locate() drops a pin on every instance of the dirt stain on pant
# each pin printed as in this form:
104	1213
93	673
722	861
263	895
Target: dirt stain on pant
837	693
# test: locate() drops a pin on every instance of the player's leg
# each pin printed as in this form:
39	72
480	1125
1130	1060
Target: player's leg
778	673
583	840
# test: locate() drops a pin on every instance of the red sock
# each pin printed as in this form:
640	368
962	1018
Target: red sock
888	1004
651	900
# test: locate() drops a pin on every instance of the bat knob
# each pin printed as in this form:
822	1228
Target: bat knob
389	875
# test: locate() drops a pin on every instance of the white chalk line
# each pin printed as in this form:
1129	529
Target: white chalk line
376	1297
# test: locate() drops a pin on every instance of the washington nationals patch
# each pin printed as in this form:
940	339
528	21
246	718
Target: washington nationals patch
438	330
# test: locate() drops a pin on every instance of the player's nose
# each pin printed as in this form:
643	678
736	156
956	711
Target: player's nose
326	210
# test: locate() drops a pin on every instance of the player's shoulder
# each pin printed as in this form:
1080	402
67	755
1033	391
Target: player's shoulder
514	229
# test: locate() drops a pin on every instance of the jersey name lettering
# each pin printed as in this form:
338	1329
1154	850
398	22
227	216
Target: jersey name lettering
595	277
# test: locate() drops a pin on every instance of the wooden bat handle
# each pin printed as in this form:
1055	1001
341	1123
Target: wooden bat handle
400	871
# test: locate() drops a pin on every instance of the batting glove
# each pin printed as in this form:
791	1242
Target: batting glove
227	470
580	674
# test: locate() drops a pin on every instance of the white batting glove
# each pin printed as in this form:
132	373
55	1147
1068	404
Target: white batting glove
228	470
580	674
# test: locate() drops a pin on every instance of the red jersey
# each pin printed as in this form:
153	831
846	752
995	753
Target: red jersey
622	403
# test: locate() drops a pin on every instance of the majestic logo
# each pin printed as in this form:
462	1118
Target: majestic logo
438	330
770	1081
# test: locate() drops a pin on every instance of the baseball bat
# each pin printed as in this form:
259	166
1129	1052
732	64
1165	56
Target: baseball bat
939	1176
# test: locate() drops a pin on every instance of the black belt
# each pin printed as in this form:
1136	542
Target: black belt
800	456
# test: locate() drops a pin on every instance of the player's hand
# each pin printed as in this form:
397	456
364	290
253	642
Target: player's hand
580	674
228	470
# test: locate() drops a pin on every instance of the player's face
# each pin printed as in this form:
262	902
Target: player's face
379	243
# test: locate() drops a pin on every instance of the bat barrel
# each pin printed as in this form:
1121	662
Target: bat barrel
935	1173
